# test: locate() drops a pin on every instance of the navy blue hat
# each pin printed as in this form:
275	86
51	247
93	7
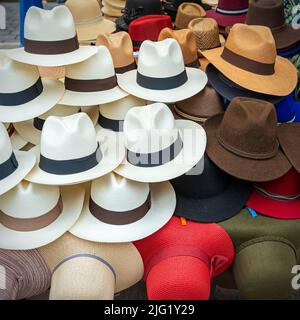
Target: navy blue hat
290	52
297	103
208	194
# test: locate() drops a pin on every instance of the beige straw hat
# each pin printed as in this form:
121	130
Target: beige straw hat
85	270
188	11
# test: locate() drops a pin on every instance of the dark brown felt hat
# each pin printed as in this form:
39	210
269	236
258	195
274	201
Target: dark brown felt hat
200	107
271	14
289	138
243	141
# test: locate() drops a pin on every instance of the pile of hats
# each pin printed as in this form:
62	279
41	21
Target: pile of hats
168	168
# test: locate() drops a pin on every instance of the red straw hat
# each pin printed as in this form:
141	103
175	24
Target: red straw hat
279	198
181	259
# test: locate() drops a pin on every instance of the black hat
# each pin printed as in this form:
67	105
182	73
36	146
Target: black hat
170	7
210	196
229	90
135	9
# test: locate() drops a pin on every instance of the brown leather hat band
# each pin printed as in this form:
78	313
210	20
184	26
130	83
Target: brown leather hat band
51	47
79	85
119	218
124	69
32	224
264	69
245	154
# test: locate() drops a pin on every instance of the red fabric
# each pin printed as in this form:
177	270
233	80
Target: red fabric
233	4
148	27
226	20
288	185
185	277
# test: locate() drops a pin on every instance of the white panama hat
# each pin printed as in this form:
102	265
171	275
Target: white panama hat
92	81
23	94
16	140
71	152
14	164
161	75
140	210
158	148
50	39
33	215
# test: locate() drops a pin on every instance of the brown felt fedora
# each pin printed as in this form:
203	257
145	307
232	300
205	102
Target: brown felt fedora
188	11
249	58
200	107
271	14
120	47
243	141
187	42
289	138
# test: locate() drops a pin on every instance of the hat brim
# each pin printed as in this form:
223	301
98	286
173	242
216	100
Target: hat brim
184	162
52	60
90	31
74	98
226	20
53	91
17	141
286	37
113	153
163	202
72	198
272	208
26	162
239	167
281	83
217	208
289	136
229	91
197	80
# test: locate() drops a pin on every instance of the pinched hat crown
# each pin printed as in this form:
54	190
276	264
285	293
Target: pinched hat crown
249	129
84	11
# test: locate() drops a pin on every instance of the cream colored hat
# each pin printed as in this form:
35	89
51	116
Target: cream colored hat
14	164
85	270
33	215
16	140
93	81
23	94
89	20
110	9
71	152
50	39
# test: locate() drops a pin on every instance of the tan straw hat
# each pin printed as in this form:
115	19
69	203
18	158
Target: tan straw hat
187	42
249	59
120	47
89	270
186	12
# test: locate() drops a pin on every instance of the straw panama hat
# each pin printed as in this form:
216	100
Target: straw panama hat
249	59
159	148
112	115
120	47
23	94
33	215
71	152
50	39
16	140
92	82
141	209
91	270
89	20
188	11
31	130
14	164
161	75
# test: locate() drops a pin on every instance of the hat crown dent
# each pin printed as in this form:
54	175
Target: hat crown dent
84	11
99	66
115	193
150	128
49	25
160	59
61	134
60	110
17	76
117	110
29	200
249	125
5	144
253	42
